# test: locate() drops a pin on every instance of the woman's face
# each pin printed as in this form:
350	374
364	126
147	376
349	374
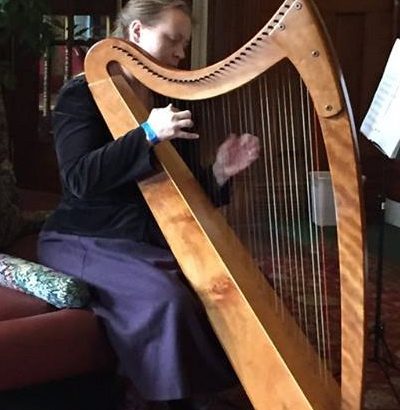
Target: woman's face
165	40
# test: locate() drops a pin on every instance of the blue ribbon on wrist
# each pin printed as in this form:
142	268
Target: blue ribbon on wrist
150	134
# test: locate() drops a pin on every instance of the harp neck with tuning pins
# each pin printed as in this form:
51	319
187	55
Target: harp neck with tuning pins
265	269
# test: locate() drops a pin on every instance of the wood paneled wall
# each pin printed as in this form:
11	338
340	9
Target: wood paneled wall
361	30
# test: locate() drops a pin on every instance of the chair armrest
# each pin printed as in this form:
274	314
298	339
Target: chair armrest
52	346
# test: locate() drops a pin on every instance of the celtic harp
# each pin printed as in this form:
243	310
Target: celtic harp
283	292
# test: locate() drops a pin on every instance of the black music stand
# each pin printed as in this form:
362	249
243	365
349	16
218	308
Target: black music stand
381	351
386	360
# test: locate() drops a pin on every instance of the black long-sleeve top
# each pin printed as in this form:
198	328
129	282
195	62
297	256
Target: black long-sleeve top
98	174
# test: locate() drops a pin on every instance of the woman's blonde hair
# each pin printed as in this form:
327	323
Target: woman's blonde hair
147	11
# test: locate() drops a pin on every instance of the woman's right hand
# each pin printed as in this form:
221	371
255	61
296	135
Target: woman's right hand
168	123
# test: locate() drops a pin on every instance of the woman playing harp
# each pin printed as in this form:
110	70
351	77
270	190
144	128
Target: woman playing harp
104	234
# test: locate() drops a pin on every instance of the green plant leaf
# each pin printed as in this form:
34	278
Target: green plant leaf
23	27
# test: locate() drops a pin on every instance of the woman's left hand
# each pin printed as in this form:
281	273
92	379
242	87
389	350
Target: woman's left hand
235	154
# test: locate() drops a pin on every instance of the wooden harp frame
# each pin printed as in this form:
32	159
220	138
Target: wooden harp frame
239	302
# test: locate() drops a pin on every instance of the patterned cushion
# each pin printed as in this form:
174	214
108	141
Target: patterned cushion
54	287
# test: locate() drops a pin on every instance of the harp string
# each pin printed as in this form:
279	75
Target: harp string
317	241
302	287
250	181
269	177
288	137
270	154
243	187
280	165
304	225
272	203
295	206
258	125
314	233
322	301
231	212
324	279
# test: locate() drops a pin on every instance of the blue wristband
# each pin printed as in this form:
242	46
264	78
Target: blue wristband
150	134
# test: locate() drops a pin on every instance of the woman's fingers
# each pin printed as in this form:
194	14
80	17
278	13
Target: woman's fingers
181	115
251	144
187	135
169	123
186	123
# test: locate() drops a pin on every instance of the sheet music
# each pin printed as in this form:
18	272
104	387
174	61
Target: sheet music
382	122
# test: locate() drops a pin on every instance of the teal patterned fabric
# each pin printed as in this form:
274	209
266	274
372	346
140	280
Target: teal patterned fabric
54	287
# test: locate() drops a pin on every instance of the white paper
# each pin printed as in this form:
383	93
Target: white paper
382	122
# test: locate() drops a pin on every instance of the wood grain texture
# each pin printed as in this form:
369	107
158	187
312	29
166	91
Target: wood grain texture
275	363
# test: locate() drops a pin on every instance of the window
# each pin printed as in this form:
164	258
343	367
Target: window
75	34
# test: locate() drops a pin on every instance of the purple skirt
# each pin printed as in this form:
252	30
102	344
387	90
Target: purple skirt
155	323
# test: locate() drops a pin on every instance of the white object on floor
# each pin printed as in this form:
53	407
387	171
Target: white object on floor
322	201
392	212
